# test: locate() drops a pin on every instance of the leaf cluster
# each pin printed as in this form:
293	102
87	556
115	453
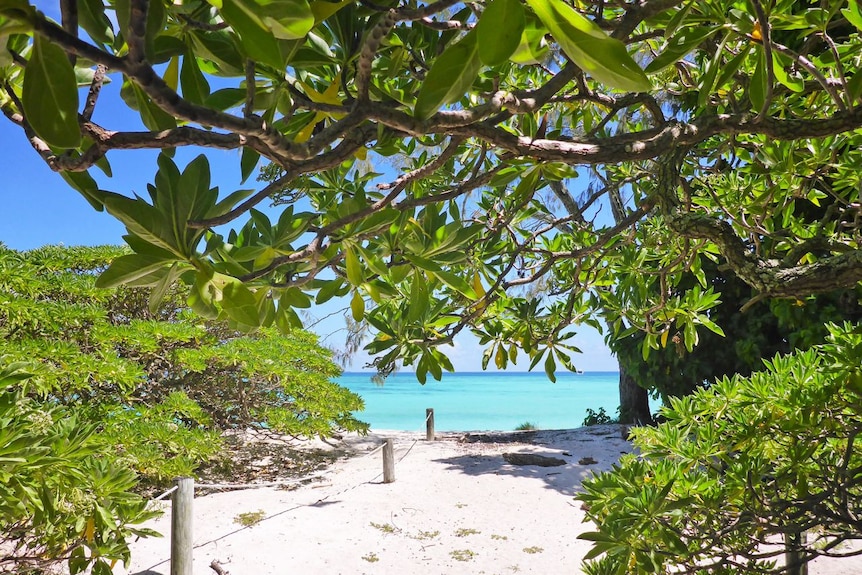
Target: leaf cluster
739	473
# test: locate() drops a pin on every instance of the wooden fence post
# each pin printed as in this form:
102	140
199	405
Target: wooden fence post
388	462
182	520
429	424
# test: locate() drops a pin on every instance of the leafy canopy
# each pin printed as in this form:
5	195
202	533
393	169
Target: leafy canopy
706	128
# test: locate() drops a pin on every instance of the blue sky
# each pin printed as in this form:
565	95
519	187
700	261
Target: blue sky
38	208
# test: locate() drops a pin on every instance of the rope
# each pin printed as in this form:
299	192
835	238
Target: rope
165	494
259	485
408	451
275	483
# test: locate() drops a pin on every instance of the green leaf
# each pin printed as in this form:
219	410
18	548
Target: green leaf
357	306
92	18
220	49
499	31
601	56
50	95
248	162
551	366
418	297
853	14
128	268
532	47
153	117
353	267
679	45
451	75
707	81
157	295
195	86
729	69
288	19
323	9
240	304
757	86
225	99
780	63
245	17
329	290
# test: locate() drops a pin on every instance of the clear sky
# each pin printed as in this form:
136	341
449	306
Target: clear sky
38	208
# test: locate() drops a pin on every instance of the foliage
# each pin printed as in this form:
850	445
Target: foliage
159	374
706	128
526	426
599	417
60	498
741	472
753	330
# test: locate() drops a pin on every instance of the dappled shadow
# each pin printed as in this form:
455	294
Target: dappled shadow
584	452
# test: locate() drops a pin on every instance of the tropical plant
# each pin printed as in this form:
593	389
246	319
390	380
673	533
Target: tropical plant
707	127
742	473
753	330
60	498
161	383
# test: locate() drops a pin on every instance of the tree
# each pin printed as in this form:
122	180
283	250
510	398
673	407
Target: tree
144	384
742	473
717	121
140	366
762	330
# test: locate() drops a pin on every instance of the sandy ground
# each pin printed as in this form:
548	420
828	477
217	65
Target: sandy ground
455	507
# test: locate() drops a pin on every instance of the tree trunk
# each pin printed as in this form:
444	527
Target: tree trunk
634	400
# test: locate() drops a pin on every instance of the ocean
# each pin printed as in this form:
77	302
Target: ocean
498	401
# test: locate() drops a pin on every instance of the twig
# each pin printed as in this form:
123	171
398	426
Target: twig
766	34
93	94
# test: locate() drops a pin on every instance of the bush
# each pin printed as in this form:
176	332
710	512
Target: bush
599	417
60	499
741	472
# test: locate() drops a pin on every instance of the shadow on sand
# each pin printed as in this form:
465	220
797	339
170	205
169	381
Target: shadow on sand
586	452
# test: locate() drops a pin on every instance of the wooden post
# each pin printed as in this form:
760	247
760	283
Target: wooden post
181	526
388	462
794	557
429	424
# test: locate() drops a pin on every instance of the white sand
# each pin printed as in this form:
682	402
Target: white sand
454	508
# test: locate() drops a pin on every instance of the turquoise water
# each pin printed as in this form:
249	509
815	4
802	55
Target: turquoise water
484	401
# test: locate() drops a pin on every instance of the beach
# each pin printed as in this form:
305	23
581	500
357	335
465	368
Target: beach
458	505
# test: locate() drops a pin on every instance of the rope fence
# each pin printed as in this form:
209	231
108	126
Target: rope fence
183	492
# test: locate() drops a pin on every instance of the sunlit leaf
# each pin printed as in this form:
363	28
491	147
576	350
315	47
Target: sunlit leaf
499	31
50	95
452	73
601	56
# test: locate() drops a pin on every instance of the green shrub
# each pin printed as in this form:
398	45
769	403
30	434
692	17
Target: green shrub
737	468
60	498
526	426
599	417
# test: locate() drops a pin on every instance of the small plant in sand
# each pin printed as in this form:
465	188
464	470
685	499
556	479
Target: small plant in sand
533	550
371	557
465	532
387	528
599	417
462	554
250	518
460	505
527	426
425	535
499	537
